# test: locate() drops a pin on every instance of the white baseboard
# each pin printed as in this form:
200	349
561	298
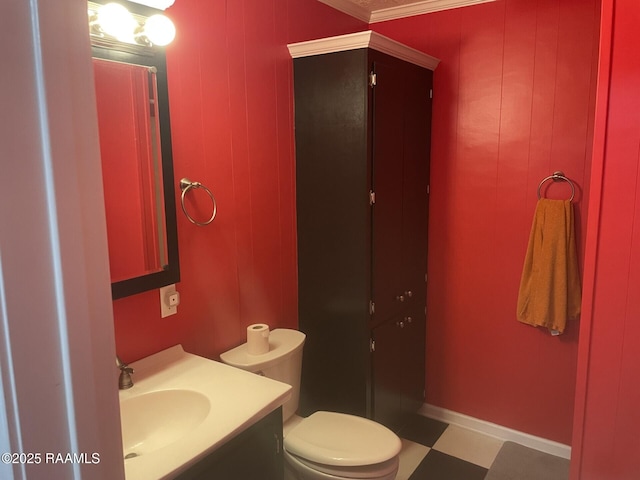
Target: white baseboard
494	430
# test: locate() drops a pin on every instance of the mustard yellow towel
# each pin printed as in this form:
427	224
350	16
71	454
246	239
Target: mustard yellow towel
550	286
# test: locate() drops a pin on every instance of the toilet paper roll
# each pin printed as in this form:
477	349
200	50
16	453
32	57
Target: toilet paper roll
257	339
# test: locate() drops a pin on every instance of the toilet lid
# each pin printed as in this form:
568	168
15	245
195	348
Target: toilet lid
331	438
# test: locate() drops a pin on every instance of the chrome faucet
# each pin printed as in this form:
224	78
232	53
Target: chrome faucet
125	380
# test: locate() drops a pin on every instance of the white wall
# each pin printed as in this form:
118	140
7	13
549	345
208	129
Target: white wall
58	377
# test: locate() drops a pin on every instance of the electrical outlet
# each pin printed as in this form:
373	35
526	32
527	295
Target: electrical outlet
169	300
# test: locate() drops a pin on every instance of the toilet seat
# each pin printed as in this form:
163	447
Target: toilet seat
333	441
381	471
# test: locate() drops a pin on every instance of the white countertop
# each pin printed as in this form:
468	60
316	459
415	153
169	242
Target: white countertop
238	400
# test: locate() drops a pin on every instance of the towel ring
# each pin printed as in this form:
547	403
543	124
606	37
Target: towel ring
558	177
185	186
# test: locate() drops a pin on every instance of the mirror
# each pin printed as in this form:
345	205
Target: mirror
137	166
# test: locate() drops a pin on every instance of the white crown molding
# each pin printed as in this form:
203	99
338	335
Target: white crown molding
401	11
158	4
368	39
494	430
419	8
350	8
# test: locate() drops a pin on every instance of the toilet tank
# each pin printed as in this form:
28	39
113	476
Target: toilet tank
283	362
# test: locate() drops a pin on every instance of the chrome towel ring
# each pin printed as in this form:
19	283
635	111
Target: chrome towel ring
185	186
558	176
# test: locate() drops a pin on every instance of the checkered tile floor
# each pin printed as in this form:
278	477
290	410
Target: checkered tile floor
432	450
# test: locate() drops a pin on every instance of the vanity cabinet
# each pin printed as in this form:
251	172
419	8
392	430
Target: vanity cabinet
363	122
254	453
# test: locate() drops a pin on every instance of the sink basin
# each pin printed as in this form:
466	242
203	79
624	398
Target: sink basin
154	420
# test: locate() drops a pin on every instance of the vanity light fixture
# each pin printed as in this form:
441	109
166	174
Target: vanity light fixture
114	21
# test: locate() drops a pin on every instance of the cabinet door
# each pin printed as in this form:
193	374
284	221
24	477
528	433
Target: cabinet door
398	369
415	198
401	126
413	361
255	453
387	153
387	384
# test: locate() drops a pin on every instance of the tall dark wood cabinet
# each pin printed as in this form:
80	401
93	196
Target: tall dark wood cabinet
362	130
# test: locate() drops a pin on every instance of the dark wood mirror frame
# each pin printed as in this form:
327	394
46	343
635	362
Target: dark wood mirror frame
152	57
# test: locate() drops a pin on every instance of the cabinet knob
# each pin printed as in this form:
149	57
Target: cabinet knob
408	293
400	323
400	298
408	319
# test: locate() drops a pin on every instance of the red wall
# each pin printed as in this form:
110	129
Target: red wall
232	123
513	102
608	393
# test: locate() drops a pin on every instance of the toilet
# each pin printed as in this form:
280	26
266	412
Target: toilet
324	445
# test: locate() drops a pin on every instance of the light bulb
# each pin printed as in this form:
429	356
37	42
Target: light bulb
159	30
115	20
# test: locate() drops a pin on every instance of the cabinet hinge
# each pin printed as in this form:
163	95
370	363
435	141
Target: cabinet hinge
372	307
428	189
372	345
431	93
372	197
425	278
277	439
373	79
